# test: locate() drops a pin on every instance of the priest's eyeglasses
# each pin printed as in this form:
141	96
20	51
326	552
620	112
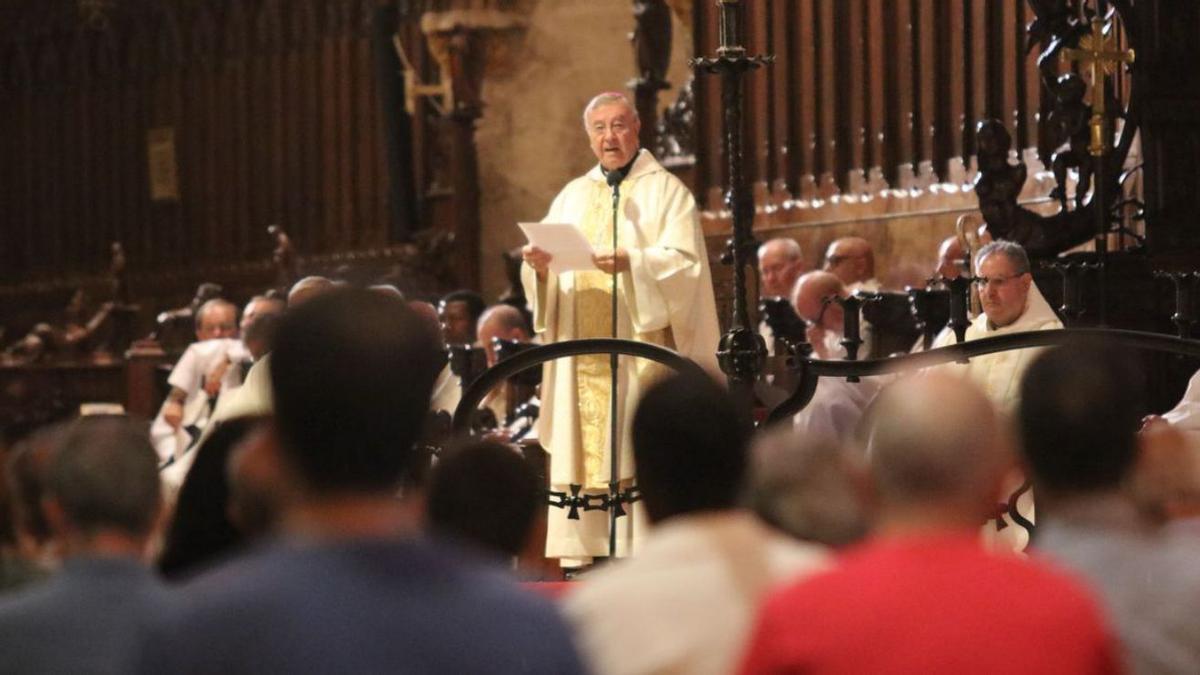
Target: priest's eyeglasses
994	282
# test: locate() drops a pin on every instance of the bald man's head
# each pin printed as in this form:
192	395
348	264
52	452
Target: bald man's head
504	322
809	296
936	447
950	258
780	262
851	258
308	288
428	314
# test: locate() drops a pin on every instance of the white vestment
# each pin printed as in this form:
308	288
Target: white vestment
871	285
1186	418
687	601
447	391
836	408
1186	415
666	297
999	375
253	398
189	376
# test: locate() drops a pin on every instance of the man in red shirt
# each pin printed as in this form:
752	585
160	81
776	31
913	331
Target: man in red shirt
922	595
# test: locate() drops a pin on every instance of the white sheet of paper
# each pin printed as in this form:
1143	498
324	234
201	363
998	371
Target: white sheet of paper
569	250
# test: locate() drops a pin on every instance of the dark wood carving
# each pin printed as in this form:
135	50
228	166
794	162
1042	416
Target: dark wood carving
997	187
651	39
675	140
276	115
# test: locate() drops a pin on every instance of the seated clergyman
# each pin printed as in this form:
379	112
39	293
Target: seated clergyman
1011	304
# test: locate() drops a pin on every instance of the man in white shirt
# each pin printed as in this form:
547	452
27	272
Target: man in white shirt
685	602
206	369
837	405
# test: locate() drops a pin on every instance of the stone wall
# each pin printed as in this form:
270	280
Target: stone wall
530	139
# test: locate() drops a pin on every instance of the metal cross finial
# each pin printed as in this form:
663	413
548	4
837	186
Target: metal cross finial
1096	51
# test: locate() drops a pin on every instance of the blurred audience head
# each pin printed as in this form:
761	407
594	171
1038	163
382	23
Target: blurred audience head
260	490
308	288
809	488
200	531
485	494
689	445
1080	409
102	486
352	372
27	473
937	454
386	289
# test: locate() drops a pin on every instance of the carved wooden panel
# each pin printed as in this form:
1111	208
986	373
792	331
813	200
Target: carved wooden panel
278	113
891	85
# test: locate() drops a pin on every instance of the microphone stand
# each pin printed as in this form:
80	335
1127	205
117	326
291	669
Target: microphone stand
614	482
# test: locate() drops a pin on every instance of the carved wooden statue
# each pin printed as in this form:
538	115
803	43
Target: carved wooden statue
284	258
999	184
1068	124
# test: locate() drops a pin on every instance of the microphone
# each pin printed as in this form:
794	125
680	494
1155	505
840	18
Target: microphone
614	181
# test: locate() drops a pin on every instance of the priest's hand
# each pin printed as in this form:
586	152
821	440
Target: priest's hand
536	258
612	262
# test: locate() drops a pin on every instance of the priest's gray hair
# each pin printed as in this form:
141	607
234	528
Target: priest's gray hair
608	98
1011	250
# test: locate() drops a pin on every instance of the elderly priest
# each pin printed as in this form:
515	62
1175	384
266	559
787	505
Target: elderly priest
664	297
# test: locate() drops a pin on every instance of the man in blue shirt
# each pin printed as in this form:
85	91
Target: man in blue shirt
350	586
102	502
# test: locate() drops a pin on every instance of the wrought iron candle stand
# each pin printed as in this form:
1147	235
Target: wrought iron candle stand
741	352
960	299
851	325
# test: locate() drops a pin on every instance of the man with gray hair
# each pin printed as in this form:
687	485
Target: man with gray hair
922	594
102	504
1011	304
664	297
